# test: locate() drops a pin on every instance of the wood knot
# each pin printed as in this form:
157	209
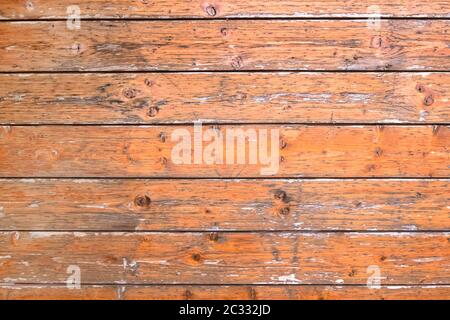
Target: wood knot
148	82
237	63
214	236
420	88
196	257
382	258
283	144
211	11
428	100
163	137
130	93
378	152
284	211
224	31
163	161
153	111
142	201
280	195
376	42
188	294
76	48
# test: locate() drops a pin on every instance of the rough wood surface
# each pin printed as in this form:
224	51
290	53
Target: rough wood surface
225	45
225	97
146	151
240	292
50	9
228	258
257	205
88	177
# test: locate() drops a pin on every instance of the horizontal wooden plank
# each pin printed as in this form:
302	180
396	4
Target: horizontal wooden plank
161	9
229	258
239	292
225	45
225	97
388	205
159	151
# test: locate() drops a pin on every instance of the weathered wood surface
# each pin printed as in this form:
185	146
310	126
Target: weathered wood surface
146	151
177	236
257	205
225	45
228	258
239	292
162	9
225	97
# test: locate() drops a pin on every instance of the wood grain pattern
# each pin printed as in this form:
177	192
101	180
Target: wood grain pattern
225	45
357	90
225	97
257	205
230	258
306	151
240	292
161	9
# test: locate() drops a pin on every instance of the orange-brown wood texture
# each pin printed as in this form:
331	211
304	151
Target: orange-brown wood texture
54	9
148	151
223	292
225	97
356	92
240	205
225	45
225	258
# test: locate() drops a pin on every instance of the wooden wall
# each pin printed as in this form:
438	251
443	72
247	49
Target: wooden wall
358	90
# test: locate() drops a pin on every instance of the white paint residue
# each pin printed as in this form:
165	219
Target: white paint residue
27	180
425	260
164	262
290	278
422	115
99	206
120	292
37	235
339	281
34	204
80	234
397	287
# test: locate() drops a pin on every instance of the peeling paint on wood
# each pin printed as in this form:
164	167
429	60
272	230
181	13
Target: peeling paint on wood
200	45
364	164
241	256
225	97
235	292
161	9
312	151
252	205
